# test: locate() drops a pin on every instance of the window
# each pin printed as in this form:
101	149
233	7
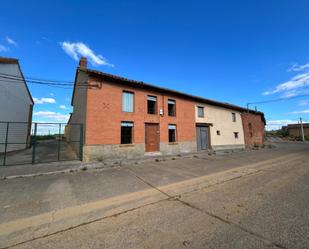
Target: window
250	134
152	104
233	116
126	132
218	133
127	101
171	104
200	111
236	134
250	126
171	133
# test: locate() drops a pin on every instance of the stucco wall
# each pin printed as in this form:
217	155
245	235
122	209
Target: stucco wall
220	119
15	106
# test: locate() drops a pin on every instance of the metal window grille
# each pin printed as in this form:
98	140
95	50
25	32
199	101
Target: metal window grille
233	117
171	104
172	133
126	132
152	105
200	111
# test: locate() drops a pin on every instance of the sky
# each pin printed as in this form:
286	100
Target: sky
232	51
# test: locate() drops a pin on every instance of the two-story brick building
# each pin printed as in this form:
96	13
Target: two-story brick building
125	118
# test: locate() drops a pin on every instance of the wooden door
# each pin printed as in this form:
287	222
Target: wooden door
152	137
202	138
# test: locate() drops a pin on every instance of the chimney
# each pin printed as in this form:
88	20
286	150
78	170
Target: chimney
83	63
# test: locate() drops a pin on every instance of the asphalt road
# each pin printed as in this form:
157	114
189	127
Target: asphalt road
264	205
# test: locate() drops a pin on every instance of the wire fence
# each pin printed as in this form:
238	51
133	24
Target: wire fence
31	143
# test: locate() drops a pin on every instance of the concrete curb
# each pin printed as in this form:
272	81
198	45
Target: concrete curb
105	165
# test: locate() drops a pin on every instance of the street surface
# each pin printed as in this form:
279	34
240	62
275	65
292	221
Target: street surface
255	199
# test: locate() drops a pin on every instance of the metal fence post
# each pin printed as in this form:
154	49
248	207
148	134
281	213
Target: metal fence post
59	137
81	142
6	143
34	143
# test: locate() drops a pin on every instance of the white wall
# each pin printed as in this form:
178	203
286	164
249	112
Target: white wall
221	120
15	105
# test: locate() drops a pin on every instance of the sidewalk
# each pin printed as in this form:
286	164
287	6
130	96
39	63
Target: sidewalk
30	170
7	172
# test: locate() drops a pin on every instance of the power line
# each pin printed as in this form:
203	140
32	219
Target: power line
38	79
18	79
47	85
277	100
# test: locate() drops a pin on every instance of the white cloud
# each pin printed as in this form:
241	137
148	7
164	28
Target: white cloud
277	124
11	41
297	68
3	48
303	102
51	94
44	100
296	85
55	116
290	88
78	49
301	112
63	107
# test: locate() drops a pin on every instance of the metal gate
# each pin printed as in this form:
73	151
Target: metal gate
25	143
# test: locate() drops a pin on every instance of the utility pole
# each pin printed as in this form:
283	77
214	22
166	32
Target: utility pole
302	130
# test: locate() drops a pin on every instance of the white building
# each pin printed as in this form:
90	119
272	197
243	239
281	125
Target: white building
218	127
16	106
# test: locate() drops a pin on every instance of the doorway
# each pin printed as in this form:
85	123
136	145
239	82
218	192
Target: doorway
152	137
202	137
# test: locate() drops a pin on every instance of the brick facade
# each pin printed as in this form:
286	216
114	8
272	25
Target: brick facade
98	106
104	116
253	125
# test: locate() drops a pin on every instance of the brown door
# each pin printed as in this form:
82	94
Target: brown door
152	137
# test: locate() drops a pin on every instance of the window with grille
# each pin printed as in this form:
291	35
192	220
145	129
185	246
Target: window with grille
171	133
233	116
200	111
171	105
127	101
126	132
152	104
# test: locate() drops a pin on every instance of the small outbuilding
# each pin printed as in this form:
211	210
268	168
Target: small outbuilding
295	129
16	107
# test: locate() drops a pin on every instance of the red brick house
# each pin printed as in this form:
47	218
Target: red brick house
130	119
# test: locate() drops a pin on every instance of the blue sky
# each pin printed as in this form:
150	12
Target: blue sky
232	51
